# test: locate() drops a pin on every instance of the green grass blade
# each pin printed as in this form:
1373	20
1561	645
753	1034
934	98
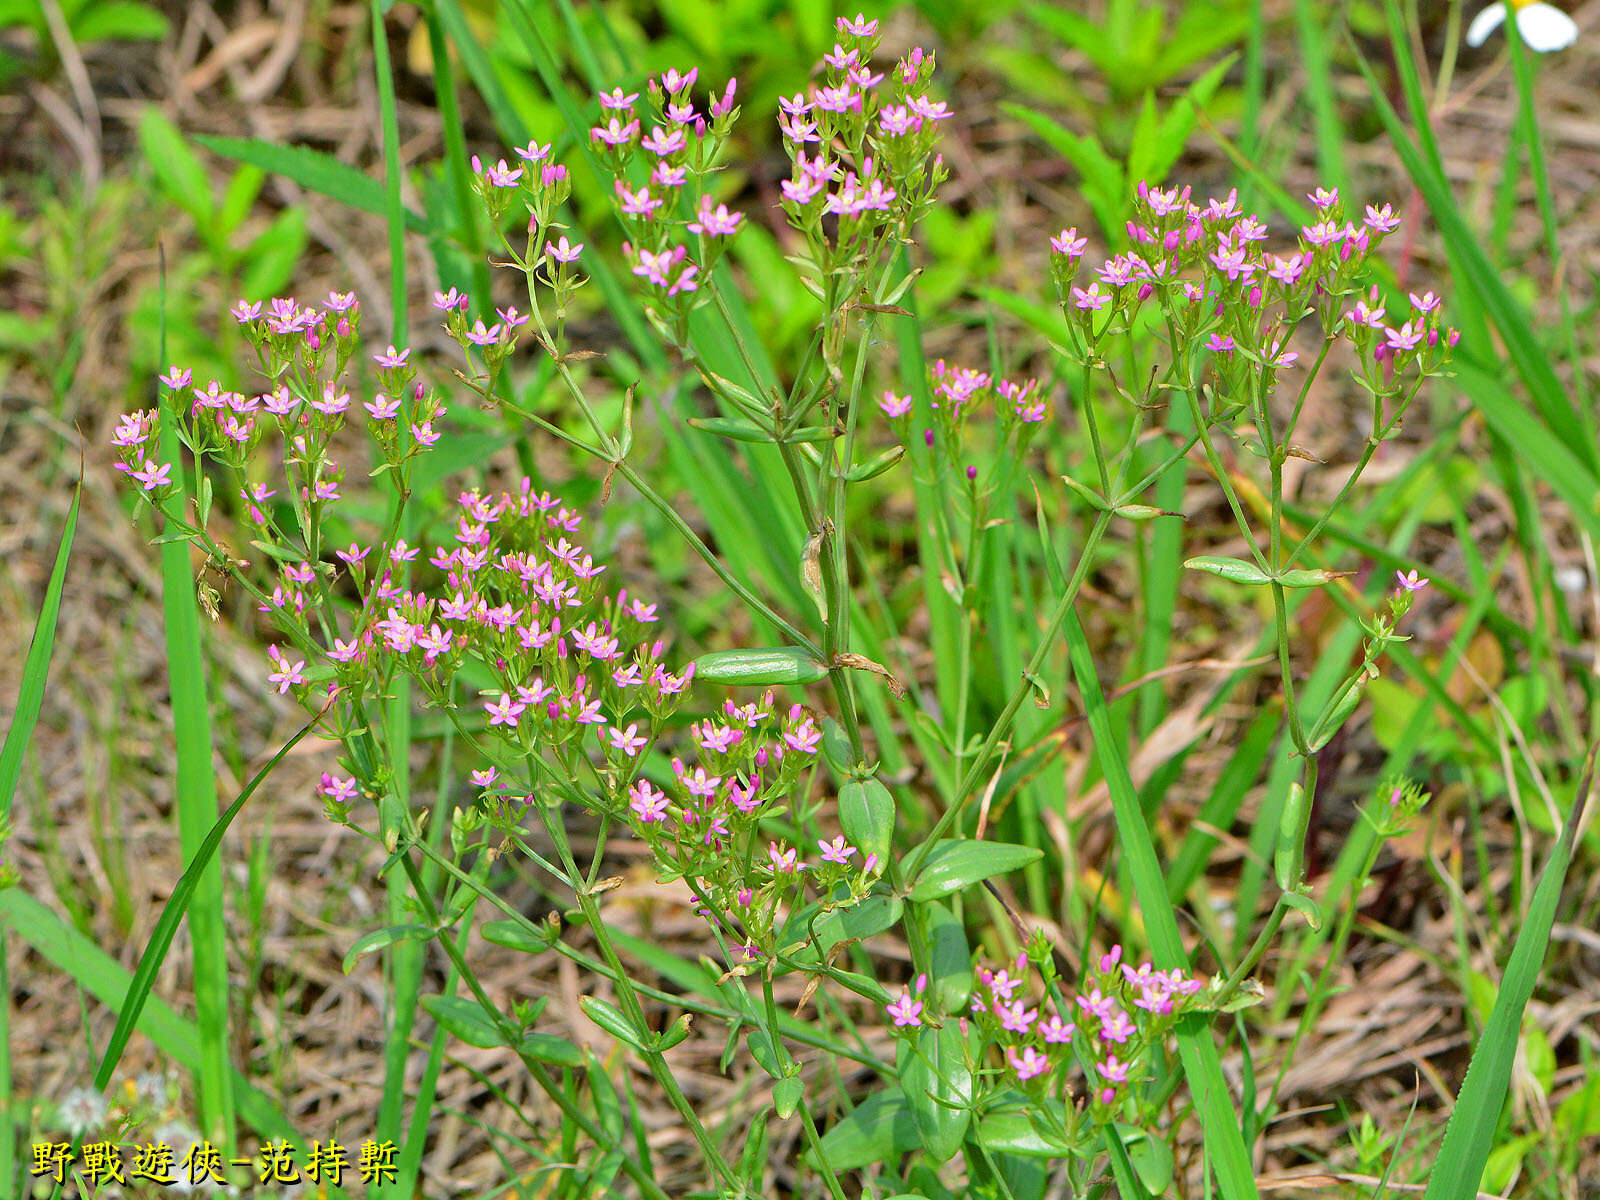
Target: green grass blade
1213	1106
196	802
97	973
136	997
36	668
1313	41
1469	1136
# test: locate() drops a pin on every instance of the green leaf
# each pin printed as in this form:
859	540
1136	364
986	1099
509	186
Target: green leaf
938	1088
1235	569
1104	184
759	668
36	667
547	1047
740	430
274	256
379	938
954	863
514	935
949	958
119	21
612	1019
1202	1066
465	1019
867	919
877	1131
178	171
1019	1133
876	465
786	1095
1151	1157
866	816
321	173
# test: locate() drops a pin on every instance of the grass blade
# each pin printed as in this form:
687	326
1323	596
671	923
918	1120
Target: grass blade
35	671
36	668
196	797
1219	1122
1469	1136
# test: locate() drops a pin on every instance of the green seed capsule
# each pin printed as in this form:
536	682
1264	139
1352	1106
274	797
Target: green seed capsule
758	668
1289	859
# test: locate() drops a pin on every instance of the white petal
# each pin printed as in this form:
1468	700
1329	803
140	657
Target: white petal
1485	23
1545	28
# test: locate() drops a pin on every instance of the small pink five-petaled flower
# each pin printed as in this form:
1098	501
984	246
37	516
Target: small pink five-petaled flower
905	1010
1409	581
836	851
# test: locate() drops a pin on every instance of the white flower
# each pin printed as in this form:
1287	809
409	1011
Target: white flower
1543	27
81	1110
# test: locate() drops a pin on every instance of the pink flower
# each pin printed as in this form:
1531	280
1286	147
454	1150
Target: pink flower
648	804
905	1011
151	476
1056	1031
673	83
894	406
504	711
616	100
335	788
836	851
1117	1028
393	359
1028	1064
1407	337
500	175
803	738
1220	343
484	779
1113	1071
1382	220
1371	318
1016	1016
783	862
564	251
1068	243
614	133
288	674
1409	582
662	142
629	741
1091	299
718	223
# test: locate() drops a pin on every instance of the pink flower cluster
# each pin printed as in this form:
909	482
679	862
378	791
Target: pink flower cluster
861	146
681	147
710	823
1119	1012
295	345
957	392
539	182
1210	273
